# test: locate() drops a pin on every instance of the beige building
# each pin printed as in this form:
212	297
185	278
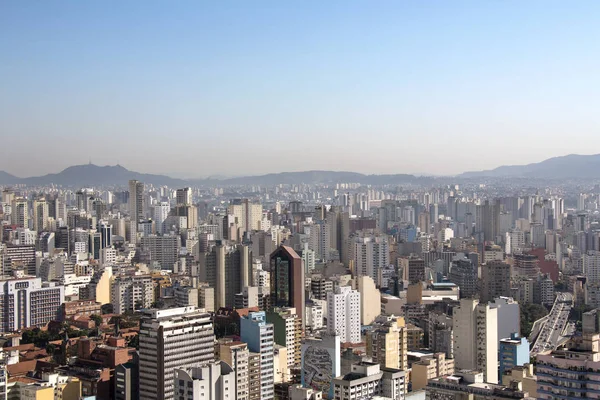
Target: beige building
370	299
476	338
280	364
525	375
100	286
387	343
430	368
470	385
236	354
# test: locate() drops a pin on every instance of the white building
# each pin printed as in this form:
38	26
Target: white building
73	283
314	316
509	316
369	380
215	381
129	293
476	338
108	256
160	214
26	236
515	241
343	311
370	253
591	266
172	338
27	302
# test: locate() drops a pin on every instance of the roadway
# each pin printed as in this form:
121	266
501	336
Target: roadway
555	326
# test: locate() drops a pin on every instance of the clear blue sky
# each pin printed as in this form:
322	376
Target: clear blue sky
248	87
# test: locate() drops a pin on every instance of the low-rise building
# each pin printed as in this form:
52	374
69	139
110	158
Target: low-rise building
470	385
429	368
367	380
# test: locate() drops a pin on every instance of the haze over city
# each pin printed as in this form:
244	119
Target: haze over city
299	200
391	87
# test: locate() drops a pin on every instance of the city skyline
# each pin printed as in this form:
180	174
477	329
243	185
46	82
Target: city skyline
398	87
220	176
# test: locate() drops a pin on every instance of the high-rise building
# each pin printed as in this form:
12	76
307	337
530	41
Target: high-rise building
370	253
27	302
526	265
514	351
287	280
21	256
476	338
169	339
509	316
136	204
387	343
413	269
20	212
160	214
514	241
184	196
226	268
127	381
259	335
464	274
287	327
321	362
343	314
495	280
106	232
40	215
370	299
486	220
591	266
248	215
236	354
570	373
214	381
131	293
162	250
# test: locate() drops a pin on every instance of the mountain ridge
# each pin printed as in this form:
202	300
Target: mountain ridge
94	175
561	167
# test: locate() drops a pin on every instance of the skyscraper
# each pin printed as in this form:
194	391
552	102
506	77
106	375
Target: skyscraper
259	335
184	196
40	215
169	339
495	280
476	338
136	201
370	253
160	214
287	280
20	213
343	314
227	269
464	274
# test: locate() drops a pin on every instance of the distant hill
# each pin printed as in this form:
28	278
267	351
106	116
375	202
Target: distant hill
94	175
564	167
8	179
317	177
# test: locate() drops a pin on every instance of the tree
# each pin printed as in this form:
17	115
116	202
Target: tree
135	342
529	314
107	309
97	320
50	349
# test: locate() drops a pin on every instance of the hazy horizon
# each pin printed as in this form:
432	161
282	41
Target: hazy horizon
240	89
